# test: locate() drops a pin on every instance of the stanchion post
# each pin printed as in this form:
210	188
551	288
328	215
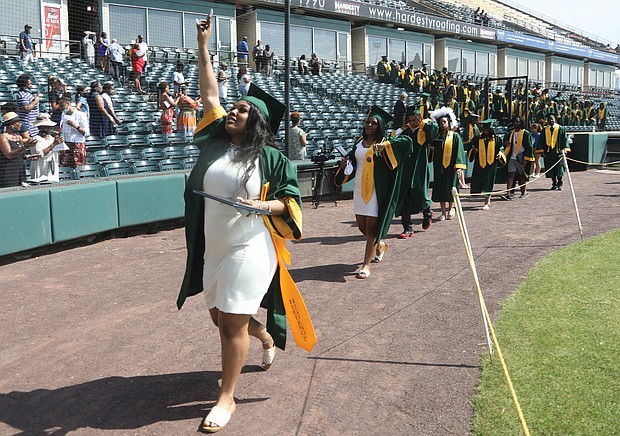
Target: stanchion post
572	190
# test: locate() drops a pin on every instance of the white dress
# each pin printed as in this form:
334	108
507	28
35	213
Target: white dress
240	258
46	168
372	207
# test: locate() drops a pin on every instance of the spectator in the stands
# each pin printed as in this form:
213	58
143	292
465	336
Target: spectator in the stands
268	60
75	129
601	116
57	90
186	121
10	106
303	65
13	149
315	65
102	51
27	103
244	80
243	51
26	45
257	56
222	81
137	66
81	103
45	166
178	79
399	111
101	121
115	56
108	92
167	104
144	48
297	146
89	47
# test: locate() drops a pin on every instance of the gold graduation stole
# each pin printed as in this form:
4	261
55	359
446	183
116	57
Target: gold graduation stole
519	140
589	113
447	150
466	92
422	133
466	107
368	175
486	152
296	311
600	113
422	107
551	140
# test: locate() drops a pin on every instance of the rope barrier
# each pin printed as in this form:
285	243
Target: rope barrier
472	265
604	164
503	191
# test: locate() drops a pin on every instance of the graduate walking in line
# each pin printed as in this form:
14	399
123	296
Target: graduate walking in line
518	155
484	153
376	165
551	144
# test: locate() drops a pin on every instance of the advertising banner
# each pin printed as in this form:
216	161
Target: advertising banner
398	17
557	47
50	23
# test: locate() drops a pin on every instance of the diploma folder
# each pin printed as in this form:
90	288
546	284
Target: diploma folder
233	202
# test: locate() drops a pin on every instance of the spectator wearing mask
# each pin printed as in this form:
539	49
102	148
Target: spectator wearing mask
75	129
57	90
46	164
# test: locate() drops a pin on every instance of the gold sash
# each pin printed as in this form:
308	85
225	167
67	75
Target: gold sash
296	311
551	140
447	150
600	114
519	141
368	175
486	152
422	133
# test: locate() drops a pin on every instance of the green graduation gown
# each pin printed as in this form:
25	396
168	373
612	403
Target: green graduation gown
388	170
276	170
445	177
416	178
553	154
483	177
528	150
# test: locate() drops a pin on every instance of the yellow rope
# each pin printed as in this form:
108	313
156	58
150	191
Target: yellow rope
593	163
503	191
490	324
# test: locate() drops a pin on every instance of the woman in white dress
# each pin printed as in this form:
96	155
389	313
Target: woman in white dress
222	81
374	163
233	255
46	165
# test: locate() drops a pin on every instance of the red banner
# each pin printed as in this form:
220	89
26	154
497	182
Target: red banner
51	25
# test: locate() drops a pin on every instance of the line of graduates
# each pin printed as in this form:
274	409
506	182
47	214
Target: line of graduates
392	175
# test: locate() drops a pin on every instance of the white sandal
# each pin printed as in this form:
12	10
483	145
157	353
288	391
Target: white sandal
218	416
269	354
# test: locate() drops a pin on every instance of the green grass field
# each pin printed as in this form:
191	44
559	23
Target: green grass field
560	337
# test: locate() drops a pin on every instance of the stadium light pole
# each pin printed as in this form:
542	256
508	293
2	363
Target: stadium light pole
287	73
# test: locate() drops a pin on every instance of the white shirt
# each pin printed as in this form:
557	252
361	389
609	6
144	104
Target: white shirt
107	98
70	133
177	79
144	49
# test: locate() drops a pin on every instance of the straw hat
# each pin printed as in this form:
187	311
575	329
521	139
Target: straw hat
43	120
9	118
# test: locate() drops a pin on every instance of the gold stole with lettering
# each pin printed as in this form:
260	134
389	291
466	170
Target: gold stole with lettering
368	175
296	311
422	133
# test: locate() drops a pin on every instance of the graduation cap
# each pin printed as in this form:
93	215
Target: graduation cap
411	110
487	123
379	113
268	105
425	95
